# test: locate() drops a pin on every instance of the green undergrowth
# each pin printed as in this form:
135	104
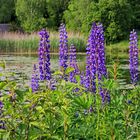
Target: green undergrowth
69	114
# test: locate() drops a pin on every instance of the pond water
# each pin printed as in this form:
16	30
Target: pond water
22	64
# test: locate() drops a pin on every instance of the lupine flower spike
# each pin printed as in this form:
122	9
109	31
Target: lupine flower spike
63	48
91	60
1	107
44	56
1	104
73	64
133	57
95	61
82	78
35	79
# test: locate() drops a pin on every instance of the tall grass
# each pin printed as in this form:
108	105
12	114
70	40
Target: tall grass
122	45
14	42
28	43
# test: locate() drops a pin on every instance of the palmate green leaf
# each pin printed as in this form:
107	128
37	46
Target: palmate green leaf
2	85
36	136
10	84
40	109
68	70
22	126
20	93
64	110
57	73
30	90
2	131
109	84
77	77
38	124
63	83
70	86
4	134
84	100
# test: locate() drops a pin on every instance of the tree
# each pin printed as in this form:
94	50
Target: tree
6	10
116	16
35	14
135	4
55	9
31	14
78	16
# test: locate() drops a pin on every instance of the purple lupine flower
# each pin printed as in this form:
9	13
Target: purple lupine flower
133	57
44	55
63	48
52	84
2	124
82	78
35	79
91	61
102	71
129	102
1	104
105	95
95	61
73	64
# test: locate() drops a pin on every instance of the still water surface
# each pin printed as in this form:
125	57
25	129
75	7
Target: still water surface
22	64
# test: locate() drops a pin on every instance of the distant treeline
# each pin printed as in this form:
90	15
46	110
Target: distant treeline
117	16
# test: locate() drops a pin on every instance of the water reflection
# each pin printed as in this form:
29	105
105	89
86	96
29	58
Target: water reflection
21	64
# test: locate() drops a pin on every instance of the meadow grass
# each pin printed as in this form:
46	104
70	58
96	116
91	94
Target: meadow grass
13	42
122	45
17	42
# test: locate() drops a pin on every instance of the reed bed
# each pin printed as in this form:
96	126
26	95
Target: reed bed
28	43
15	42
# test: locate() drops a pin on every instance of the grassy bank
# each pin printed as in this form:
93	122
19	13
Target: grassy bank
16	42
25	43
122	45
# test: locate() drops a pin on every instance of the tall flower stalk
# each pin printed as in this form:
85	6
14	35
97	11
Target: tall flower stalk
63	48
73	64
90	61
95	61
35	79
1	107
44	55
133	57
82	78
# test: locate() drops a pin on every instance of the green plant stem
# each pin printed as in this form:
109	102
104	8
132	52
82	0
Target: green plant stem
98	109
27	131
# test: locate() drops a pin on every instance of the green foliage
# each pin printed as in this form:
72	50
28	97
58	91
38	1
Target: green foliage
117	16
6	10
63	114
30	13
55	9
35	14
80	16
136	13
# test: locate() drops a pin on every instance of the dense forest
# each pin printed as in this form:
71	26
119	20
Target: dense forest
117	16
